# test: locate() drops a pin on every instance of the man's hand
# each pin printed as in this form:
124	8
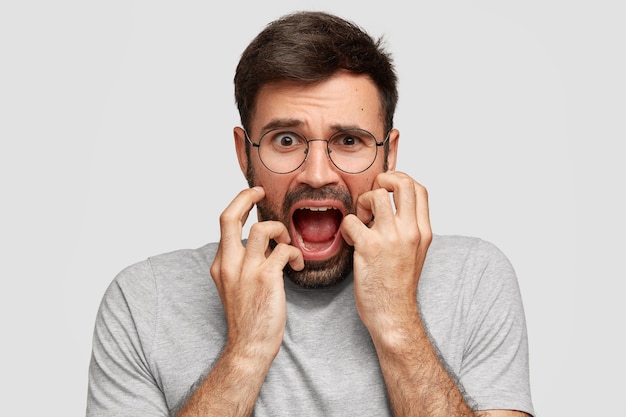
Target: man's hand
250	283
250	279
389	251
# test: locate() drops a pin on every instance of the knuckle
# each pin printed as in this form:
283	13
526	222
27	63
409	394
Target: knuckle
270	270
421	190
280	252
256	228
215	269
258	232
428	233
413	235
405	181
426	236
223	272
228	216
264	271
381	194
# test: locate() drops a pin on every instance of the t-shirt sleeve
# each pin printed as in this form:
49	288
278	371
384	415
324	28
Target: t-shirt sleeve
120	380
494	371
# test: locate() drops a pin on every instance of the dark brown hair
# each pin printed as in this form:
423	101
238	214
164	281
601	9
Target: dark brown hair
309	47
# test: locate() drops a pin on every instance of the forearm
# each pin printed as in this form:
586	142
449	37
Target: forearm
230	389
417	382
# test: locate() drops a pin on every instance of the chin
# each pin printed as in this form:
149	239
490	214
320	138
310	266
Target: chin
323	273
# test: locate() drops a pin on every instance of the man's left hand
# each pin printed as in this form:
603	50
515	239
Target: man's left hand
390	242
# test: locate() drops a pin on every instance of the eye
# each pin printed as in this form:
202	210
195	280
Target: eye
348	140
286	139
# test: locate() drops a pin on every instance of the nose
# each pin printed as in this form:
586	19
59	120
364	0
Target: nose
318	170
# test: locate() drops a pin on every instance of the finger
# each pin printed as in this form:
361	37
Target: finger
259	239
375	203
236	214
352	229
423	214
284	254
215	270
364	208
403	190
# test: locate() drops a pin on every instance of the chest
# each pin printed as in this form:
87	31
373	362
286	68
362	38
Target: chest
327	366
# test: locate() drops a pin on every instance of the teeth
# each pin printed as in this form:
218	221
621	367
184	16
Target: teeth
318	208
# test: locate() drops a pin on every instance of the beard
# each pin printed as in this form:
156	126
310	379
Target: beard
317	273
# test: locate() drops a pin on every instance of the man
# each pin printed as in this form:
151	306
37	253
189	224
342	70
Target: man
340	302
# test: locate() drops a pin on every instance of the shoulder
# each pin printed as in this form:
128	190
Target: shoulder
183	262
456	245
463	262
453	252
143	282
169	266
146	290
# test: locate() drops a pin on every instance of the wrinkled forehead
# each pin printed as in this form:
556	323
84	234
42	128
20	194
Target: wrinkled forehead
345	100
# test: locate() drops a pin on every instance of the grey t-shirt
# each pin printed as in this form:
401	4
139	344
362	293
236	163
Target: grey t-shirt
161	326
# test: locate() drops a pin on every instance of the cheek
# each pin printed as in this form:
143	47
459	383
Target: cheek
271	207
359	185
362	182
275	186
257	174
273	198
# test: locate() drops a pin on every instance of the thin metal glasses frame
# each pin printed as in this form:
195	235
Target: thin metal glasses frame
306	151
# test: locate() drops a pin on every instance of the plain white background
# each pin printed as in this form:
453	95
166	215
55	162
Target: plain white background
116	144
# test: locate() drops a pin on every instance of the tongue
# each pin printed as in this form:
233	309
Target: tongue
318	226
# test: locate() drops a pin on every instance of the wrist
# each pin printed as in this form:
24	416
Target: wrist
398	336
248	360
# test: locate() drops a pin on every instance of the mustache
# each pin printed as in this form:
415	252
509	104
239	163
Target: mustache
305	192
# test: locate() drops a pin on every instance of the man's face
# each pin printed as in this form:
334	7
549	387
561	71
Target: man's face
312	200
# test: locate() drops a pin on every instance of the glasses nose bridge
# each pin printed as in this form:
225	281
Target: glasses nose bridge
308	146
326	149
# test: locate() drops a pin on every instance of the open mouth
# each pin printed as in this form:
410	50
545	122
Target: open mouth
316	230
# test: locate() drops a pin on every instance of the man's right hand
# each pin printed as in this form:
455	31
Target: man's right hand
250	279
250	283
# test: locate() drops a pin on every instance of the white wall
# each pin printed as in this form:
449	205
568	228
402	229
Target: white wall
115	129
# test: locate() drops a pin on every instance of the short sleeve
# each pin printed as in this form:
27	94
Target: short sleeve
120	380
494	371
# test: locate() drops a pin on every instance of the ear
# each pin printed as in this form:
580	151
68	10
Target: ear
394	138
240	146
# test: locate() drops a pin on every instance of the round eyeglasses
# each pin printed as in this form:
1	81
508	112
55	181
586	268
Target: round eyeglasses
351	150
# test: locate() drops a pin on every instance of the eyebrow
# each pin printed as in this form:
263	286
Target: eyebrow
278	123
292	123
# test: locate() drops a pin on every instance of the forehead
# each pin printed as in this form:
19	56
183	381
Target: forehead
346	99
